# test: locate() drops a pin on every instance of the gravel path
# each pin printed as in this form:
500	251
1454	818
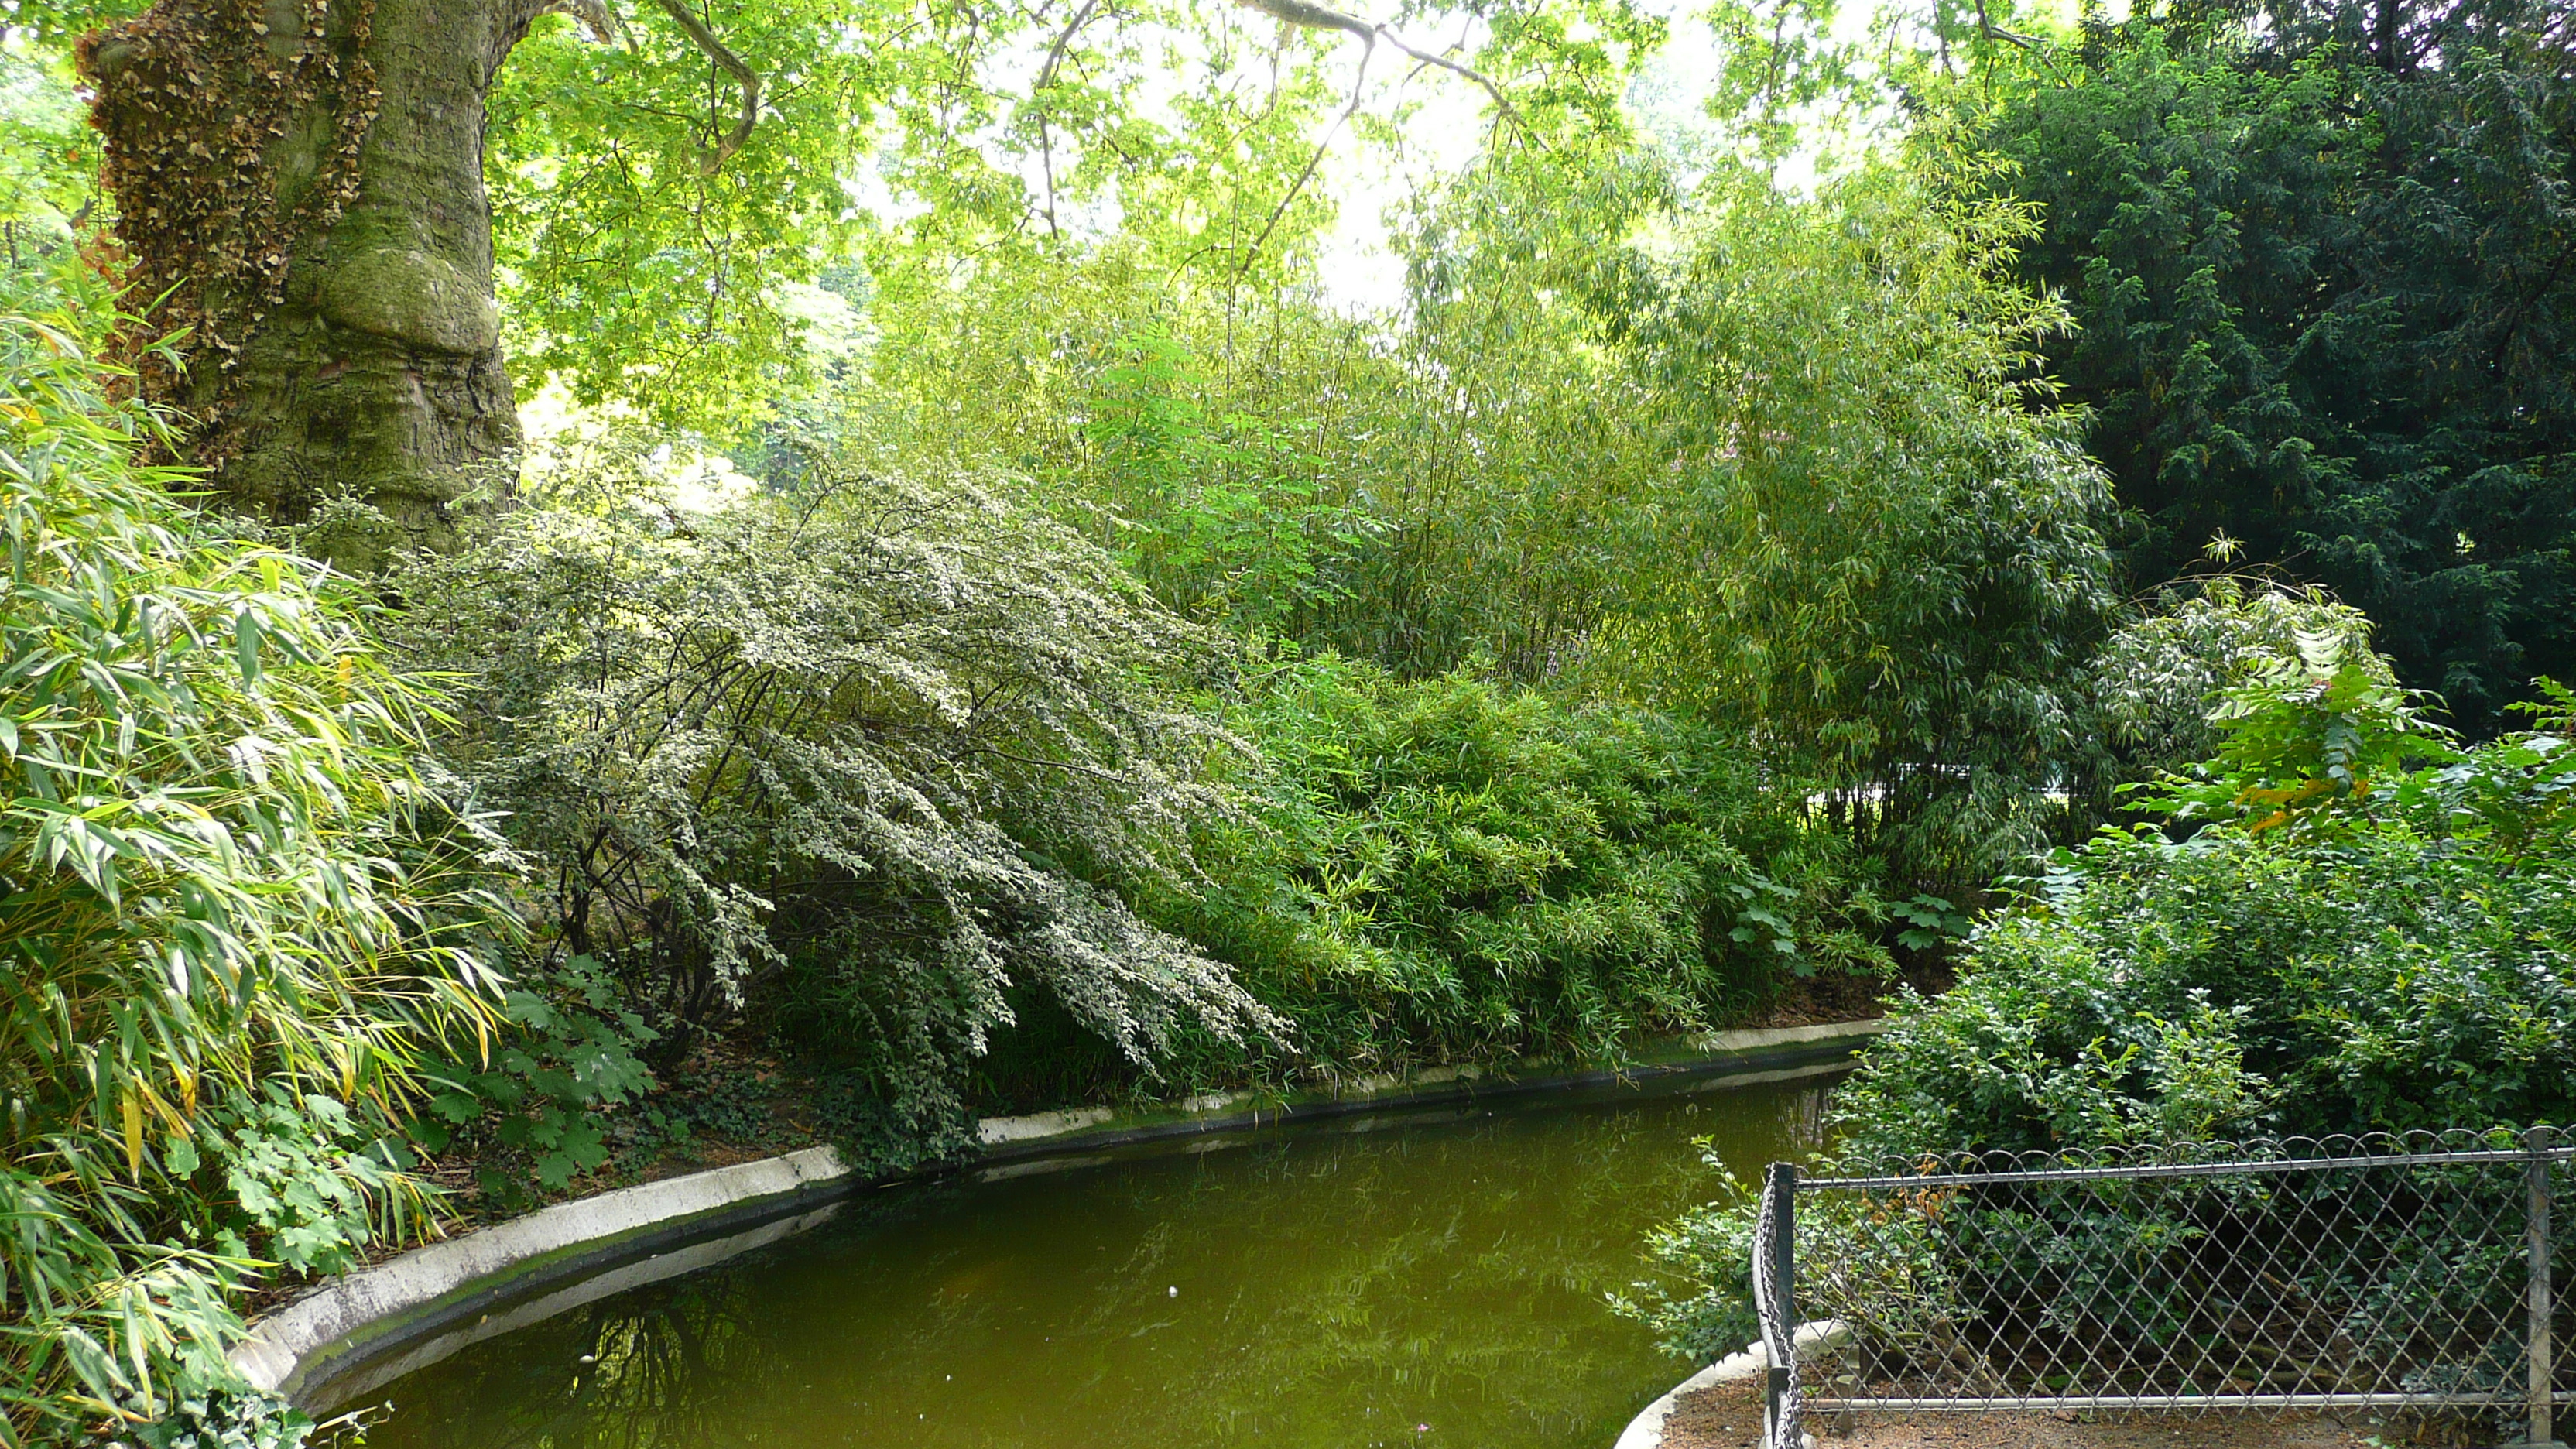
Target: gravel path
1729	1416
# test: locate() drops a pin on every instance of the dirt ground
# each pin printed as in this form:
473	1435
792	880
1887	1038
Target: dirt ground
1729	1416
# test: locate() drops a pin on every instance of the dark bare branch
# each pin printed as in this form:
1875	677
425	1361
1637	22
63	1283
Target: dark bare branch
731	64
1064	38
1359	87
1046	79
1312	16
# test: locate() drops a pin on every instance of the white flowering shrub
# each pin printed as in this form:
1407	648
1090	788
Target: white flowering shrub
860	757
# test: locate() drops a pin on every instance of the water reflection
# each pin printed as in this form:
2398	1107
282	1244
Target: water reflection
1438	1284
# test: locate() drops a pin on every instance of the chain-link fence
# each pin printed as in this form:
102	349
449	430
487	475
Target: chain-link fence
2407	1273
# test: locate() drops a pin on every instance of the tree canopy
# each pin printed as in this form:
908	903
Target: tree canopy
2323	303
570	556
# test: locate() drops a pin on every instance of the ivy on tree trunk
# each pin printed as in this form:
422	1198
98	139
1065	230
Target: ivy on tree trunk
300	188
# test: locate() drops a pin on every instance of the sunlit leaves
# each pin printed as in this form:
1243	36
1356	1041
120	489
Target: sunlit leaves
222	939
863	756
631	272
938	140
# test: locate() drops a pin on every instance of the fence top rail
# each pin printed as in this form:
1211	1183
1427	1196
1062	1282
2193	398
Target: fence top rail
2455	1148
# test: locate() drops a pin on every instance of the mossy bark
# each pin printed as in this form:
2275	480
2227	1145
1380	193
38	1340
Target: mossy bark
303	179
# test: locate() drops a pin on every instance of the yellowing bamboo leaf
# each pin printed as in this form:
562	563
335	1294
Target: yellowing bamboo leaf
133	1107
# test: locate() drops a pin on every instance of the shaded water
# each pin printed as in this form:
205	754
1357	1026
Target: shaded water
1430	1282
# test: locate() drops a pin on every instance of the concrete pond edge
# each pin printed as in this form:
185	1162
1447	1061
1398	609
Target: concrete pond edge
418	1306
1646	1431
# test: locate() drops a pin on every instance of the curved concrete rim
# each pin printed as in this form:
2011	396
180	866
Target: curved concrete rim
448	1292
1646	1431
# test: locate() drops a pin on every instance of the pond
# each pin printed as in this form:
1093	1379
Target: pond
1424	1281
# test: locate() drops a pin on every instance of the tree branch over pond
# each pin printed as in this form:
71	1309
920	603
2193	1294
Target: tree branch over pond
1310	16
705	39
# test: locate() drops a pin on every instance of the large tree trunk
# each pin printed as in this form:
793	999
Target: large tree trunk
300	184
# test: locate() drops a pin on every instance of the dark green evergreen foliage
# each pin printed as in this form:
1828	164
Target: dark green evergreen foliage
2326	304
1453	869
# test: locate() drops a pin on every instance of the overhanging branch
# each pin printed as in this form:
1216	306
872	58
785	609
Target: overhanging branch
1312	16
594	14
729	143
1359	87
2027	44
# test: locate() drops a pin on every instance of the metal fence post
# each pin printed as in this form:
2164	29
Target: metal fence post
1784	1243
1780	1211
2542	1389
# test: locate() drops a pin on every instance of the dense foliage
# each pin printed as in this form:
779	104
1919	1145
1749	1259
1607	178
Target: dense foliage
230	925
2351	945
1131	656
2362	928
861	756
1422	496
2156	679
1455	870
2320	276
1604	455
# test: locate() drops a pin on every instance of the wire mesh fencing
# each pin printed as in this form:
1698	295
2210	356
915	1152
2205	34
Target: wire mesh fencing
2414	1273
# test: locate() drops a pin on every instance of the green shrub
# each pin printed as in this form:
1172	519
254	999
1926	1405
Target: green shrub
2368	930
2161	675
2233	987
852	760
1453	869
532	1109
228	924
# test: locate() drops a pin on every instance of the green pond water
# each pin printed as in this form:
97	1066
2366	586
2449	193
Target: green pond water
1430	1281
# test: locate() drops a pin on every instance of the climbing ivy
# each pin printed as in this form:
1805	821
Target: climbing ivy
218	126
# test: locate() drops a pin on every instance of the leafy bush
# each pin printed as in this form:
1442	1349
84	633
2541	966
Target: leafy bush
229	924
1702	1309
2161	676
1454	869
533	1107
857	757
2232	987
2368	931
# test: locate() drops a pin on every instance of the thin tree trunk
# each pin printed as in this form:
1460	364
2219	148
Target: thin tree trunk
300	184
